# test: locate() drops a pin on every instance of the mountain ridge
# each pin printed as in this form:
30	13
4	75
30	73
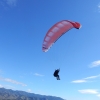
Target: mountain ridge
9	94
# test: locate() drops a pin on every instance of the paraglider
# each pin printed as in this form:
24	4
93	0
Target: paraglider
56	74
56	31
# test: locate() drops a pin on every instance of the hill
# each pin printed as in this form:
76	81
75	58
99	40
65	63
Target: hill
8	94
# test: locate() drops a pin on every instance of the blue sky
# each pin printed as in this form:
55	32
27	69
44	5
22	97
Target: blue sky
23	65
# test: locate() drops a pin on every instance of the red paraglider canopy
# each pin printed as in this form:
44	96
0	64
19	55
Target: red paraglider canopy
56	31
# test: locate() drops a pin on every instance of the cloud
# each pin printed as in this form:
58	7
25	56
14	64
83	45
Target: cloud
1	86
98	95
6	3
98	7
79	81
89	91
36	74
29	90
9	86
95	64
85	79
12	81
11	2
92	77
41	92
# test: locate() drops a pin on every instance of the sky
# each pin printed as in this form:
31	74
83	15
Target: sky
23	64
